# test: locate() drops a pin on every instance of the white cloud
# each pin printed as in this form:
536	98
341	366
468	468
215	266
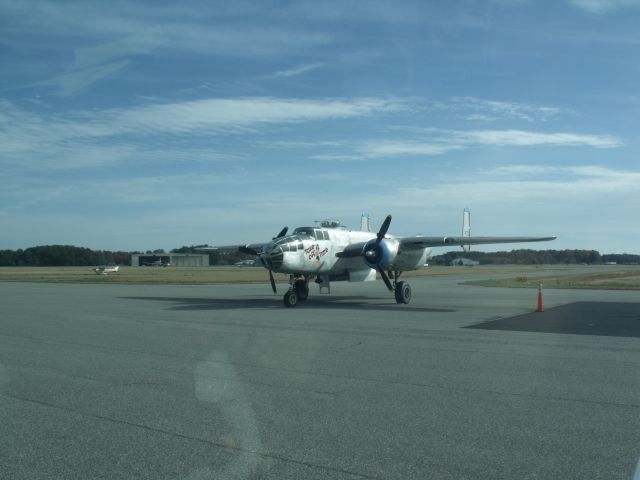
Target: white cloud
443	141
299	70
23	132
478	109
236	113
385	148
96	62
526	138
604	6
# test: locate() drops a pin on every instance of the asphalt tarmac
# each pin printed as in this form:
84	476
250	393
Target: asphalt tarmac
199	382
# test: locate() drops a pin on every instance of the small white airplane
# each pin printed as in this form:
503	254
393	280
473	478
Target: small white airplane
330	252
156	263
247	263
103	270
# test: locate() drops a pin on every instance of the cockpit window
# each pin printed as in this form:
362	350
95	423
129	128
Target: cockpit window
307	232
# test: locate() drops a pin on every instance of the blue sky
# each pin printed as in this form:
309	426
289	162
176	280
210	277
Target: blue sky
143	125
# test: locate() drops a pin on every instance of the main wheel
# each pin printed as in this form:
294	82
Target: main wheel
403	292
302	289
290	298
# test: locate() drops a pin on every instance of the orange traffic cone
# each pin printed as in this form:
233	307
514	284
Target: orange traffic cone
540	302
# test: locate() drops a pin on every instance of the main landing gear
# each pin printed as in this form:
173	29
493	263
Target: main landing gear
299	290
401	290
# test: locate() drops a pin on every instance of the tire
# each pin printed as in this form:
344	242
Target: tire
290	299
302	289
403	292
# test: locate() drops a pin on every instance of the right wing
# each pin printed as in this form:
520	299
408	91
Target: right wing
418	241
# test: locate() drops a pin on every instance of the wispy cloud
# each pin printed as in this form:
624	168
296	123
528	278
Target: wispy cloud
94	63
441	141
23	131
604	6
299	70
478	109
390	148
521	138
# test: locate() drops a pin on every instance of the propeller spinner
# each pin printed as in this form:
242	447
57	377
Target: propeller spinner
373	252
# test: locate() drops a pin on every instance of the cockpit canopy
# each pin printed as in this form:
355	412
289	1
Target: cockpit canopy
331	224
312	233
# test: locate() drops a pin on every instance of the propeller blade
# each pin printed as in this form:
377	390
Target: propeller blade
383	229
385	278
248	250
282	233
273	282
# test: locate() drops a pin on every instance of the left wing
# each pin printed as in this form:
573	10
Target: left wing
419	241
249	248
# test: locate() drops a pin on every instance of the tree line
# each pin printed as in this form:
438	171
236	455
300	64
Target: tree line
71	256
537	257
61	256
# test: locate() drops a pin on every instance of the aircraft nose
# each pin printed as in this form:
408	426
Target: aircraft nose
274	258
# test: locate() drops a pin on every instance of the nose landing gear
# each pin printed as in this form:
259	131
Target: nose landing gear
299	291
290	298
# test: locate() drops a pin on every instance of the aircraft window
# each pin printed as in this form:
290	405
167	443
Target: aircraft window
305	232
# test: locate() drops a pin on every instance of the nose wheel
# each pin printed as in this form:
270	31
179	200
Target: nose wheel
299	291
290	298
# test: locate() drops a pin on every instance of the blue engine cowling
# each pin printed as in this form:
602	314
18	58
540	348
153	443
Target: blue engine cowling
376	254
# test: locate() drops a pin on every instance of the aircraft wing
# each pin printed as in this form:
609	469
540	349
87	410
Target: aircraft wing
250	248
351	251
417	242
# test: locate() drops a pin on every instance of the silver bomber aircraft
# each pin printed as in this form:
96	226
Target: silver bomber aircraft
331	252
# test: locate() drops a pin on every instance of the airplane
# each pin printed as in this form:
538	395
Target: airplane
246	263
331	252
156	263
103	270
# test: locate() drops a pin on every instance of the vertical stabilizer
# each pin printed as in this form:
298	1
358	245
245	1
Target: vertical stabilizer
364	222
466	227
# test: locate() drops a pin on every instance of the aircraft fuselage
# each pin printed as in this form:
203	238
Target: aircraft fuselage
313	251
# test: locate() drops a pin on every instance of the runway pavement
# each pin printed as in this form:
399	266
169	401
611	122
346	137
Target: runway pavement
198	382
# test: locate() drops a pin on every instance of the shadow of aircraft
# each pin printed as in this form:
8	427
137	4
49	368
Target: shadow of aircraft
261	302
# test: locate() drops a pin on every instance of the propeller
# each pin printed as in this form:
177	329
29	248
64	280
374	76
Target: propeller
248	250
273	282
383	229
282	233
372	253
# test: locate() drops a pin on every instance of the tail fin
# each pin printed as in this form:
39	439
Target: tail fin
466	227
364	222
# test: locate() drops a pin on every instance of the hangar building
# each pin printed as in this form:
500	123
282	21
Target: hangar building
170	259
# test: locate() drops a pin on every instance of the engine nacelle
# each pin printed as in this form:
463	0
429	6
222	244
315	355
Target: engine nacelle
380	254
